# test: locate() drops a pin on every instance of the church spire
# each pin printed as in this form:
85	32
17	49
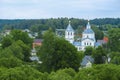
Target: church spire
88	25
69	33
69	24
69	21
69	27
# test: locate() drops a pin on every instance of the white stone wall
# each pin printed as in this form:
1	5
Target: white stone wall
87	42
69	36
88	35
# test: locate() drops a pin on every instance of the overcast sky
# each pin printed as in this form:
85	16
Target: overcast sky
37	9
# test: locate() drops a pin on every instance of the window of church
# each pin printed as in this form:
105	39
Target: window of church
90	43
79	48
87	43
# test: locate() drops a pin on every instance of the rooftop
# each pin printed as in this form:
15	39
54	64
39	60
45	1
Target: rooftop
38	40
89	38
69	27
88	31
77	43
87	59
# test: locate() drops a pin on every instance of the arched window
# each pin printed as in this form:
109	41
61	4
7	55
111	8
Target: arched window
87	36
87	43
84	43
90	43
68	33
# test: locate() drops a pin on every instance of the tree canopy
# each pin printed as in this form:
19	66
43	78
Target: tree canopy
114	39
57	53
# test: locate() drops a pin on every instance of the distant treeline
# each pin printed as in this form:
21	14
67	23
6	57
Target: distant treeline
57	23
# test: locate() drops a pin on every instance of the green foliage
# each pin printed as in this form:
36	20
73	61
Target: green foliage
80	55
99	55
17	50
65	74
8	59
7	52
57	53
114	39
39	35
34	28
89	50
18	45
115	57
56	23
23	36
98	33
21	73
103	21
25	50
6	41
10	62
106	27
99	72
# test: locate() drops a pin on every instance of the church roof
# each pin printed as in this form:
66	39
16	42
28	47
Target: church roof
77	43
97	44
34	58
88	38
88	29
86	59
88	25
69	27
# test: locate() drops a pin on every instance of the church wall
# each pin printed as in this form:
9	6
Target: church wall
87	42
69	36
88	35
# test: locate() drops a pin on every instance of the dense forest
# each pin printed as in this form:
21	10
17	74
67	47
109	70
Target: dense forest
56	23
60	60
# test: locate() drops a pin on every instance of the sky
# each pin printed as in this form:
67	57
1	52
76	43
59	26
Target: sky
42	9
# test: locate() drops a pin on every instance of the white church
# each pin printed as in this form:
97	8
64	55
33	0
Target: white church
88	37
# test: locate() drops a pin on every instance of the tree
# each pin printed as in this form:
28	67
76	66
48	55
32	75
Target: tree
17	50
57	53
10	62
7	52
34	28
115	57
89	50
65	74
6	41
21	73
114	39
25	50
19	44
23	36
99	72
39	35
80	55
99	55
8	59
98	33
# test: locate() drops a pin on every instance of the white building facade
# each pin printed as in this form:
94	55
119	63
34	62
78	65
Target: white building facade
69	33
88	37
